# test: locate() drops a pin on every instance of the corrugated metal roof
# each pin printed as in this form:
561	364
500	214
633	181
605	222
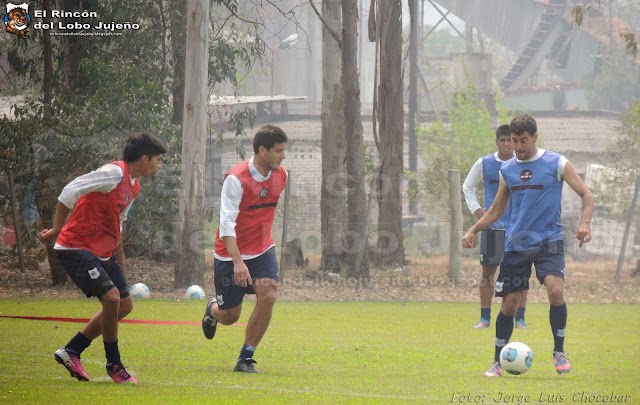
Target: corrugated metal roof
233	100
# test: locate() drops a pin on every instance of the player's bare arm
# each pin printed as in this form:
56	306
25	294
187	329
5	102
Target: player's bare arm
583	233
240	270
50	235
119	254
493	213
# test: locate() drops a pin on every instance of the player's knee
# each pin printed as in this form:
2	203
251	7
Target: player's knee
126	306
487	280
229	316
556	294
111	297
510	304
488	273
267	296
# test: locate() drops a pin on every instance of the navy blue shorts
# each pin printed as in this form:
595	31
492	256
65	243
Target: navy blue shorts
491	247
92	275
230	295
515	269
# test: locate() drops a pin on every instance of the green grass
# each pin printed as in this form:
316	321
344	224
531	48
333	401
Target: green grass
348	352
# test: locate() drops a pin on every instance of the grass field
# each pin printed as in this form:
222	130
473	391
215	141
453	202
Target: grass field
353	352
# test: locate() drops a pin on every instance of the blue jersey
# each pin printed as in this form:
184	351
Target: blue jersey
536	199
491	180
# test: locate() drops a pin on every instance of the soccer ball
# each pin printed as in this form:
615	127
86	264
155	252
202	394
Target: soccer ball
139	290
195	292
516	358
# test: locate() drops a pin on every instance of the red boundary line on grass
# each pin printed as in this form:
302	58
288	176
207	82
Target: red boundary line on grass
85	320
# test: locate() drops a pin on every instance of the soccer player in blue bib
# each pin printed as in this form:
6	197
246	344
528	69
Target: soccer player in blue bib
532	182
486	170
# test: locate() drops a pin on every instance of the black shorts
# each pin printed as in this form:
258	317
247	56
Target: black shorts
515	269
230	295
92	275
491	247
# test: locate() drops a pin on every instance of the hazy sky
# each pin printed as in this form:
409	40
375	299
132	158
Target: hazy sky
431	17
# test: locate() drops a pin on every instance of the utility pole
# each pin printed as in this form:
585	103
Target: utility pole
190	264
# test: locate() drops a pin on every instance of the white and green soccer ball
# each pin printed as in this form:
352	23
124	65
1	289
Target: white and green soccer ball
516	358
195	292
139	290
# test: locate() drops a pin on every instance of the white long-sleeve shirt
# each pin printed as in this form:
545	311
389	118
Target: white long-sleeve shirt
230	198
475	176
103	180
471	182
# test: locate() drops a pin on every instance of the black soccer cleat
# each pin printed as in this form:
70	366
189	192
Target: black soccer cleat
245	366
209	323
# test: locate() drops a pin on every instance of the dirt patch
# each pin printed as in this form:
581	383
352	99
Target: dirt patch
424	279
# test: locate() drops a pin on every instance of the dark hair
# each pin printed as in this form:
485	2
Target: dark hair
141	144
503	130
267	136
522	123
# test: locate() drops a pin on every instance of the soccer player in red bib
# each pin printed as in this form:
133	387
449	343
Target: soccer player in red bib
245	256
89	247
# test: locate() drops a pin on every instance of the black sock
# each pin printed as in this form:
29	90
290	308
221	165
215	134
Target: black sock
558	321
485	313
113	353
247	352
520	313
78	343
504	329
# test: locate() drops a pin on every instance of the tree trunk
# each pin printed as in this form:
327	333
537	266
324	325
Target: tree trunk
44	202
47	55
178	21
390	249
333	195
455	248
71	49
190	264
413	106
46	211
356	199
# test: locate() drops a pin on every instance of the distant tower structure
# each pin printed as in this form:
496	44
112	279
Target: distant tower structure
474	68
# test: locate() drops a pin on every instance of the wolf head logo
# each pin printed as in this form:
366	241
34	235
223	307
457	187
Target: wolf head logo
17	19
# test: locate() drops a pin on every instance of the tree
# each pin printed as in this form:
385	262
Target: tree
628	144
390	250
442	43
414	117
579	12
114	85
189	267
628	147
455	143
178	37
356	239
333	190
615	188
72	51
614	84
